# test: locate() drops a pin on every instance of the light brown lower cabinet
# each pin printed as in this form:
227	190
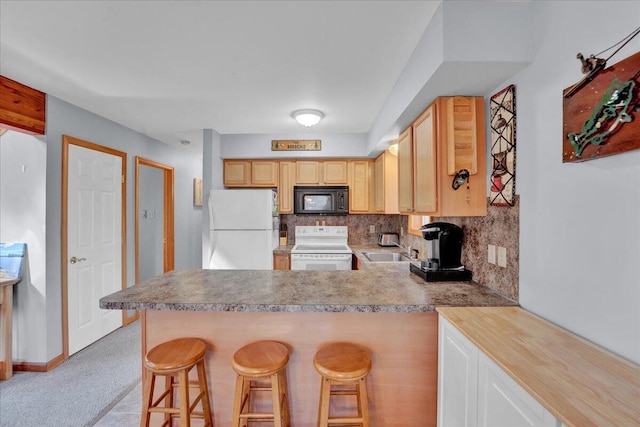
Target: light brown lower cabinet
281	261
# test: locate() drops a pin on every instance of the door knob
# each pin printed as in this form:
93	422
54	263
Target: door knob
73	260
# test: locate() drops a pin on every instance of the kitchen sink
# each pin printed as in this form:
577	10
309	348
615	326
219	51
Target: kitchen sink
385	256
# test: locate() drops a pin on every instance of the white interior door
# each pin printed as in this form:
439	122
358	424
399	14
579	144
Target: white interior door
94	233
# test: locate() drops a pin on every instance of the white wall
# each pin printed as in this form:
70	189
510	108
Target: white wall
150	222
238	146
579	223
23	161
66	119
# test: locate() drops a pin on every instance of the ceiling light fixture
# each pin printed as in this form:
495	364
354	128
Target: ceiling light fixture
393	147
307	118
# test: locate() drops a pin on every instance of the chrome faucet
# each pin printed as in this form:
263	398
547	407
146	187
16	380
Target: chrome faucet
408	248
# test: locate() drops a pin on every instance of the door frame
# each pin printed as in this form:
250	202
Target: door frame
66	141
168	215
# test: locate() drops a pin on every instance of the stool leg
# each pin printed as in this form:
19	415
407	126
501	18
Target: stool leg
363	404
275	397
148	399
237	401
206	404
183	389
325	395
284	393
168	400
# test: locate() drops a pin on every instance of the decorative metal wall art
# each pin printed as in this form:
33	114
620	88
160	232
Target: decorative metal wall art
503	147
603	117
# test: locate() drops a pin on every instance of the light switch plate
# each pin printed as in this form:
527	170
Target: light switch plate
492	254
502	256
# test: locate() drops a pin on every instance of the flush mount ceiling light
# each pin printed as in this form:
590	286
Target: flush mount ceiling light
307	118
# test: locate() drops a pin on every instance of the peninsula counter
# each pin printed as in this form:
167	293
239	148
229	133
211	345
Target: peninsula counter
390	312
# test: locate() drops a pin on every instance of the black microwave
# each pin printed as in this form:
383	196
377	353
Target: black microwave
332	200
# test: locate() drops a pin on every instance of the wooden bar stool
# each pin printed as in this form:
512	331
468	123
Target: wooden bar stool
343	364
171	359
261	360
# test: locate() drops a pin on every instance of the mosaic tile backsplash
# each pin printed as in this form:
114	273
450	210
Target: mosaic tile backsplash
501	227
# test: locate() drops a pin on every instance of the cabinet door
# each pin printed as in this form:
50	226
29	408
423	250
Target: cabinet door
237	173
307	173
281	261
359	186
425	162
285	187
503	402
405	172
378	178
264	173
335	172
457	377
461	139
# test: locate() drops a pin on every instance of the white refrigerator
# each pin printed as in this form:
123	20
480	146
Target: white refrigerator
243	229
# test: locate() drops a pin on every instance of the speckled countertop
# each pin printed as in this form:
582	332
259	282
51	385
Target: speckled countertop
384	288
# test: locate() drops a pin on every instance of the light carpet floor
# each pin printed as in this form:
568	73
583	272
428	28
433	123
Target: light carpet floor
78	392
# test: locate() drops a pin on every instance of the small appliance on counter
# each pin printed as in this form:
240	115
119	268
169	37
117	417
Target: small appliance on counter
388	239
444	254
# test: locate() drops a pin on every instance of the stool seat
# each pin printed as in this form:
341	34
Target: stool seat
342	362
346	366
175	355
174	360
261	367
260	359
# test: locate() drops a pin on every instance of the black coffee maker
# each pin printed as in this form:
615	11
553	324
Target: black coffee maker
444	253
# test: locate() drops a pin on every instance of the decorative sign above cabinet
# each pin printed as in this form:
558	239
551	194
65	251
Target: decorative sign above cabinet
296	145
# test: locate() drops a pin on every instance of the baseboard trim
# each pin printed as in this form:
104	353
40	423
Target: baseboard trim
39	367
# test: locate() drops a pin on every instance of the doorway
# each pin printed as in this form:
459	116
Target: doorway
93	239
154	219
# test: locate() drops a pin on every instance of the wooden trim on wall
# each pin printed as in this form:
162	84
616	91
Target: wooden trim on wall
66	141
40	367
168	214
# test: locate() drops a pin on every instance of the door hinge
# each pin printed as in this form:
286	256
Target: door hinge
123	179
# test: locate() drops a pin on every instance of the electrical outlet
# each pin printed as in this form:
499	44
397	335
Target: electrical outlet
492	254
372	229
502	256
401	231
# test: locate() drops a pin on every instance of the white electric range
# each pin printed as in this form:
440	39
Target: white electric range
321	248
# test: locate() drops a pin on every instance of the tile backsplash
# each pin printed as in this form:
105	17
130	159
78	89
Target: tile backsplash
359	233
501	227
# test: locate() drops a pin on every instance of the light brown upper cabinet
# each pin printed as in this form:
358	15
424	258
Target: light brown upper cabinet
447	137
405	172
461	145
321	172
385	193
335	172
22	108
250	173
360	185
425	162
285	188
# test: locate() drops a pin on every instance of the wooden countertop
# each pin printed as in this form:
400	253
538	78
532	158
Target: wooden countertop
375	290
579	382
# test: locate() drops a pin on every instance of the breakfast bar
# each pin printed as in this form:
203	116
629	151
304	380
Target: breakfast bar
392	315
